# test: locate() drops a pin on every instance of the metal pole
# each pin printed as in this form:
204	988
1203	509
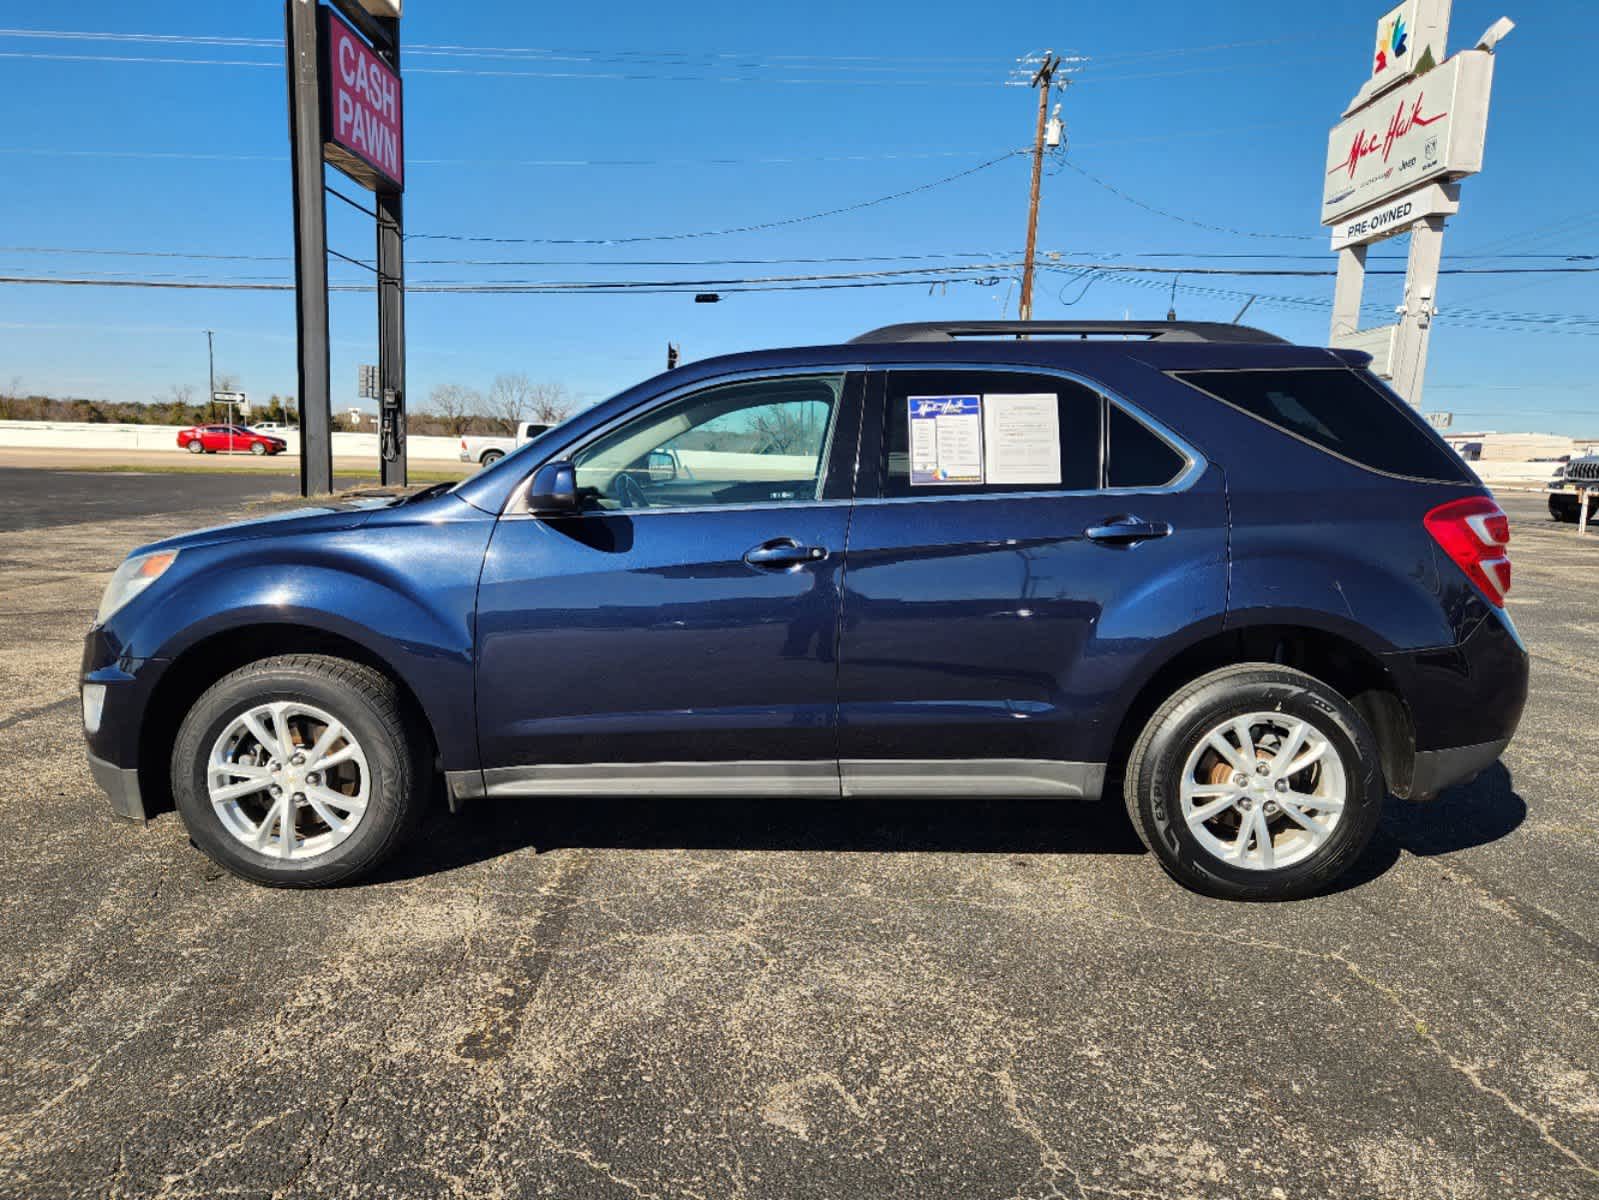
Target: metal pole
1415	321
1041	82
210	374
391	337
310	249
1347	290
391	309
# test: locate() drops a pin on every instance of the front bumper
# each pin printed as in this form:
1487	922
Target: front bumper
113	740
121	786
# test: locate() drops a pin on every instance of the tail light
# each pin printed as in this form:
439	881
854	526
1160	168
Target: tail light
1474	532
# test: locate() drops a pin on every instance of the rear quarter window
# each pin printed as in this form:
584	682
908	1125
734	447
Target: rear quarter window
1344	411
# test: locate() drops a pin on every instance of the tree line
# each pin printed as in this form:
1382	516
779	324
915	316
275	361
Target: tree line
452	410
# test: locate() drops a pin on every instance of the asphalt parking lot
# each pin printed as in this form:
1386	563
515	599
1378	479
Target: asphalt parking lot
709	999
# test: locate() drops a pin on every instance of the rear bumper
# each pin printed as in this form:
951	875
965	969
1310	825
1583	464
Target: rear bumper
1436	770
1466	695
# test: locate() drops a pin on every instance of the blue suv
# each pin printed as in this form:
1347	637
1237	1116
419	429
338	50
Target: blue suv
1234	580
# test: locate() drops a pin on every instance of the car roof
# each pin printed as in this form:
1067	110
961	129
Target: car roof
1086	356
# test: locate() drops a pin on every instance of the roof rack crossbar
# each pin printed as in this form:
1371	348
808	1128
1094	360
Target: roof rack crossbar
1155	331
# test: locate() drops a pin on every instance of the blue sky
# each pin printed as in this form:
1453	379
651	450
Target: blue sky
647	119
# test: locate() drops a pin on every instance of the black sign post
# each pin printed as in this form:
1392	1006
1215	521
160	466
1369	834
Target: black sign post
344	108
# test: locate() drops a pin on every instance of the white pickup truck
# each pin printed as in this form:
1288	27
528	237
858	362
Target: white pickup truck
486	451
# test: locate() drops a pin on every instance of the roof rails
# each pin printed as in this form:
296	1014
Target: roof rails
1155	331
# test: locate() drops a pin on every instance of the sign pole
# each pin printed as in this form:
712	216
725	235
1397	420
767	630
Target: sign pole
1415	321
1347	291
391	307
310	249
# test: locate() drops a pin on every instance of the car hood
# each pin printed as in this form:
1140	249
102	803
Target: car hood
294	523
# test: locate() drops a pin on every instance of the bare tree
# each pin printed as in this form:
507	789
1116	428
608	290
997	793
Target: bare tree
455	405
514	398
510	398
785	429
10	398
551	404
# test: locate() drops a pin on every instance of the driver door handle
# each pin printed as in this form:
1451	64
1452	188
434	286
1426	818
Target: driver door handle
1126	530
780	554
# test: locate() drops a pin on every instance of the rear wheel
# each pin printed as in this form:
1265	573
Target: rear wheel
299	771
195	446
1255	782
490	457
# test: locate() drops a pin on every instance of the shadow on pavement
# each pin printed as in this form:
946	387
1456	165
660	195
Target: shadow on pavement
1474	814
489	828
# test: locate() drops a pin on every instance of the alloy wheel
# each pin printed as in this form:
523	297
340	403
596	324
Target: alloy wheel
288	780
1263	790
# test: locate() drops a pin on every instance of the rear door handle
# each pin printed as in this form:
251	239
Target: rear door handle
780	554
1126	530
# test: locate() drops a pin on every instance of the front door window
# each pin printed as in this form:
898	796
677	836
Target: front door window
759	442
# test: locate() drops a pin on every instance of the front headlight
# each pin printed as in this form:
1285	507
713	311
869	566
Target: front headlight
131	578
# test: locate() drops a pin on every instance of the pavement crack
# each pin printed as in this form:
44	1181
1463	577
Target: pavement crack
1469	1071
528	962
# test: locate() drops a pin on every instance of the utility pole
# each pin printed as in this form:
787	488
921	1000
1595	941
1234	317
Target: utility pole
211	373
1046	134
1041	78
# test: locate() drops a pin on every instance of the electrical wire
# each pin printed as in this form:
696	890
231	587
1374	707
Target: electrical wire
704	233
1134	200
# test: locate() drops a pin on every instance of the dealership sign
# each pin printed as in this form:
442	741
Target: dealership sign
1396	216
363	130
1410	40
1432	128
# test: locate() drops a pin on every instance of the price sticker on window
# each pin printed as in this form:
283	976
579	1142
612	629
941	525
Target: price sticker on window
946	440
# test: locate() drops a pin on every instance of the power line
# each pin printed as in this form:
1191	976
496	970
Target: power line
1106	257
754	228
1114	190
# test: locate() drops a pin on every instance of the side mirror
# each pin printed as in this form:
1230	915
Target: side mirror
662	466
553	492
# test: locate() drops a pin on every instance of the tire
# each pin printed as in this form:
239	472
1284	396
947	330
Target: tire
394	770
194	446
490	457
257	448
1569	513
1174	743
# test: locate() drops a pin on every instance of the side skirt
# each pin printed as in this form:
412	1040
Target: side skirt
852	777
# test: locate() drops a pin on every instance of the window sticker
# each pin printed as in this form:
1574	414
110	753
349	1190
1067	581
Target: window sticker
1021	438
946	440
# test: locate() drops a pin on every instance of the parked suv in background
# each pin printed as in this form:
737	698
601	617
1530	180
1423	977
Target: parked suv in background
1565	488
1235	580
214	439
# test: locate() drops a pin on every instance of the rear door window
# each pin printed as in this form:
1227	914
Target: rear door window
1345	412
1136	456
964	432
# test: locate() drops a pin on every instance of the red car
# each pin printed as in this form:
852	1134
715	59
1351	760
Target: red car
209	439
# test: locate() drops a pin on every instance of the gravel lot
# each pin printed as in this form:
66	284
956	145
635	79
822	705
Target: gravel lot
709	999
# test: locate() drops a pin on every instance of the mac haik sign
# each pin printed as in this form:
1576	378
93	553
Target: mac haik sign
1432	128
363	127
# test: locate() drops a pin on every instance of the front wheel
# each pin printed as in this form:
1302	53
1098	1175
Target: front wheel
299	771
1255	782
257	448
